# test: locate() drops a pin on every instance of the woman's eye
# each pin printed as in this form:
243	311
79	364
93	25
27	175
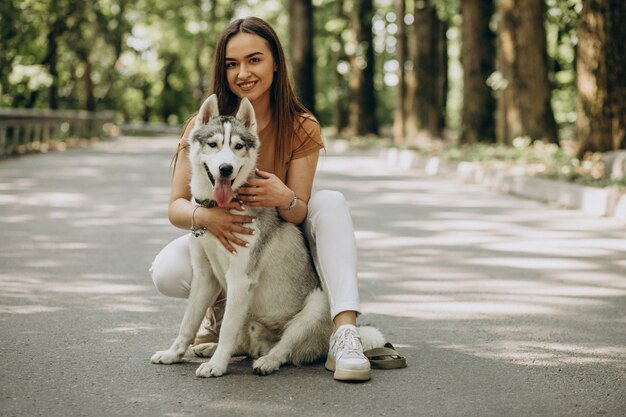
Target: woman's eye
238	146
254	60
212	145
230	65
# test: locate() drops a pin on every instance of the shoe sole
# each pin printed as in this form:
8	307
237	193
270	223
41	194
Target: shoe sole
347	374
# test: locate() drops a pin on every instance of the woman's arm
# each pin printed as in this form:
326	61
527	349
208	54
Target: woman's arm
218	221
270	191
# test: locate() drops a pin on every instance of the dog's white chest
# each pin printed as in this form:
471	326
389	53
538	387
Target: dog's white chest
223	262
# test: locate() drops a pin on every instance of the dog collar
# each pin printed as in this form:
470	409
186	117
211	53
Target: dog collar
208	203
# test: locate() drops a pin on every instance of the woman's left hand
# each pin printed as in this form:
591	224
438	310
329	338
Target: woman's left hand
266	191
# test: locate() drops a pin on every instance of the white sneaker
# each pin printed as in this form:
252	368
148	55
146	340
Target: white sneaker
345	357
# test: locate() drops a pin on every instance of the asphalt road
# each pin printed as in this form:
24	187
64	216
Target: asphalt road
502	306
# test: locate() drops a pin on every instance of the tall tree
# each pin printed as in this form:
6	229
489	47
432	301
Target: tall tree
478	59
301	50
441	88
524	104
601	72
341	110
399	125
50	60
363	118
429	57
113	27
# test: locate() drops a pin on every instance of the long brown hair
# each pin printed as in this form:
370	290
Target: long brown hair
285	104
287	110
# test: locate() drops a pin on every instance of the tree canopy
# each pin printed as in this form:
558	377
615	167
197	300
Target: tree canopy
358	62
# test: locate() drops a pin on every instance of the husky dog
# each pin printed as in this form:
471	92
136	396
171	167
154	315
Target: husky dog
275	309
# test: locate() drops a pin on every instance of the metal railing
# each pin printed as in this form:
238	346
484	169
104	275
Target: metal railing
28	130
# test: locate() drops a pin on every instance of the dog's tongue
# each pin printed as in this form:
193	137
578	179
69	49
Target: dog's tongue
222	192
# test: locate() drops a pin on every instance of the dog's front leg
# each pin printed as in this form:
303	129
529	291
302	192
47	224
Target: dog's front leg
238	296
204	291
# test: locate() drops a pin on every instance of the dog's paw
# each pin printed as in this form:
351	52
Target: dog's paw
165	357
204	350
210	369
265	365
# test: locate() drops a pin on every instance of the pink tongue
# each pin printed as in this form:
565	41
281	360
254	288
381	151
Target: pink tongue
222	192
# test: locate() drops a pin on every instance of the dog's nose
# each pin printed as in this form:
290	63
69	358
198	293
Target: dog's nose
226	170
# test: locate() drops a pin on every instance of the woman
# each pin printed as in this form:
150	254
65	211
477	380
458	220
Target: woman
249	62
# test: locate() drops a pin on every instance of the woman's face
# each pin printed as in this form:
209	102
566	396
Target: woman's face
249	66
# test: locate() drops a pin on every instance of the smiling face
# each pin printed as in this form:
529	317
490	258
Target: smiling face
250	67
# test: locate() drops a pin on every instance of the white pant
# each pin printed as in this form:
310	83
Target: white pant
329	231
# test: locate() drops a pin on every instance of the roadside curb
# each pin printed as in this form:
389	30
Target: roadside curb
601	202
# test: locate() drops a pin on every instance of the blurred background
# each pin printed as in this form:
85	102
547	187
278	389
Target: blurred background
405	71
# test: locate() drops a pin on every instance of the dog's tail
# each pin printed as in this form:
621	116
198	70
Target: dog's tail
371	337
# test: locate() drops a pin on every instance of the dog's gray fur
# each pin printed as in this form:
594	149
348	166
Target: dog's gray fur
275	308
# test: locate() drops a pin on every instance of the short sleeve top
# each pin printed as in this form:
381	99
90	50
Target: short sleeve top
307	139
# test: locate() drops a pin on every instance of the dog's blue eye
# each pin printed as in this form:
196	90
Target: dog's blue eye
238	146
212	144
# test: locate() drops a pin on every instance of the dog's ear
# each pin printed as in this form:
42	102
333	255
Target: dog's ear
245	114
208	110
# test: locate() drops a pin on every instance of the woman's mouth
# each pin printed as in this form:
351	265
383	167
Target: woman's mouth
247	86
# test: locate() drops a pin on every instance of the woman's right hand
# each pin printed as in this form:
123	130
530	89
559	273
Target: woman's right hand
223	224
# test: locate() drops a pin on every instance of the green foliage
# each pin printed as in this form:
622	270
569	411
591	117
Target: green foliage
561	23
150	59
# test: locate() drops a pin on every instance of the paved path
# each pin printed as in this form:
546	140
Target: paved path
503	307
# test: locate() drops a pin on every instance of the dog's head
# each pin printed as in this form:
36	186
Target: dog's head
222	150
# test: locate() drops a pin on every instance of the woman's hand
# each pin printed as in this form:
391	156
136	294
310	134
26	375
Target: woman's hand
223	224
266	191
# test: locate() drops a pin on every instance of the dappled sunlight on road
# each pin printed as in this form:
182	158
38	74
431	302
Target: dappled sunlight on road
28	309
559	247
533	263
501	286
80	231
523	352
446	270
134	328
44	287
455	309
467	269
51	199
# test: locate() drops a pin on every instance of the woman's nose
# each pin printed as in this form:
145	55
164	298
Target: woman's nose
243	72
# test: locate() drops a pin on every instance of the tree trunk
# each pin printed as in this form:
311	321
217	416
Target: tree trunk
50	60
167	93
439	117
342	102
82	53
147	107
478	59
399	124
90	98
363	118
524	105
113	29
601	76
429	84
301	48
